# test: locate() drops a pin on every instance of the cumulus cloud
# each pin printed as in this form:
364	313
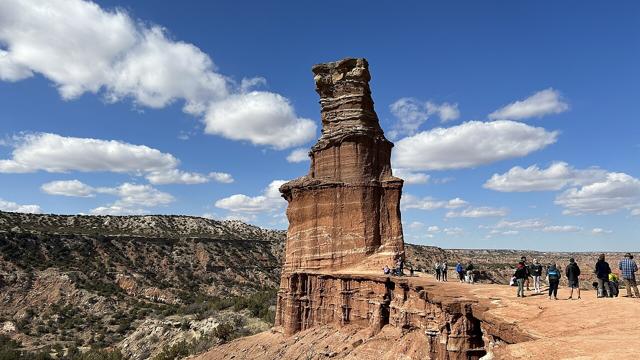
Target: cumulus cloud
477	212
409	201
298	155
518	224
411	177
269	201
562	228
262	118
616	192
470	144
81	48
545	102
557	176
221	177
411	113
73	188
14	207
600	231
57	154
132	198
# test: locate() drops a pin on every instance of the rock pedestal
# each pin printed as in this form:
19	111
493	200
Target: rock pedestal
346	211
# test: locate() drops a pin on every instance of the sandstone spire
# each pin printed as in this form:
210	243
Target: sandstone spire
346	211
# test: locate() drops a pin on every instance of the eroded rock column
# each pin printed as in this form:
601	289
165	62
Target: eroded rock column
346	211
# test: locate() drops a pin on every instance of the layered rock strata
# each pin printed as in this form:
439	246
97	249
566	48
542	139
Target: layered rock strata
346	211
449	325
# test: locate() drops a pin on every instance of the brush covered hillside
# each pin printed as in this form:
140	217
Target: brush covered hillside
139	286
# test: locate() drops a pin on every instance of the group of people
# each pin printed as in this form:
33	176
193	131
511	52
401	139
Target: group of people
607	281
441	271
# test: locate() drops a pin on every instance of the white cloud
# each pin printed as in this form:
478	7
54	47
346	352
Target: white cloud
470	144
453	231
600	231
81	48
477	212
13	207
433	229
445	111
409	201
175	176
562	228
73	188
557	176
416	225
132	199
298	155
411	113
269	201
518	224
260	117
635	212
411	177
221	177
616	192
55	153
542	103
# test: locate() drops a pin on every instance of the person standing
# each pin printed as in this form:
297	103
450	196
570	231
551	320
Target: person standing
523	259
437	269
628	269
573	274
536	272
602	272
553	276
470	278
520	275
460	271
443	271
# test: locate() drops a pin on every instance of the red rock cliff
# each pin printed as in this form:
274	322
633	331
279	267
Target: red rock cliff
346	211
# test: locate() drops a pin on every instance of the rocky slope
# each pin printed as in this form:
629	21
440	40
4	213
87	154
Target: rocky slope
97	280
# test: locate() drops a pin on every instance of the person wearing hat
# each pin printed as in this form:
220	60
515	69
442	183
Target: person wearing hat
573	274
629	268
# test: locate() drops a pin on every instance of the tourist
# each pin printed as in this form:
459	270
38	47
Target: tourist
523	259
460	271
400	267
436	267
443	271
628	268
536	271
614	285
602	272
553	277
520	275
573	274
386	270
470	277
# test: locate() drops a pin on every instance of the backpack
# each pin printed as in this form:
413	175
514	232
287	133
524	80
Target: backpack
553	274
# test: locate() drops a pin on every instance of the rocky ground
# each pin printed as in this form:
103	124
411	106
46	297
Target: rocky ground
138	284
530	328
153	285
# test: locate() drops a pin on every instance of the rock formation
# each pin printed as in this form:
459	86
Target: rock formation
346	211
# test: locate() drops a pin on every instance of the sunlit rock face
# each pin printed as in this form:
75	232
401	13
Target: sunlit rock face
346	211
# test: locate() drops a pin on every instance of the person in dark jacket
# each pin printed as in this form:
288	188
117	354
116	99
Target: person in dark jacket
553	276
520	275
602	272
523	259
536	271
573	274
470	273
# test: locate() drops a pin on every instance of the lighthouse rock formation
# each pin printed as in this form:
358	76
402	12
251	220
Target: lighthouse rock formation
346	211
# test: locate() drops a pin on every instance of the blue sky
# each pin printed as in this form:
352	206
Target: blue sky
515	123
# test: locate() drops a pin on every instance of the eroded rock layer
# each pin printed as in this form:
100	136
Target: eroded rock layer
449	325
346	211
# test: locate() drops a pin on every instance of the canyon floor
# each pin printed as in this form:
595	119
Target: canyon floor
588	328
